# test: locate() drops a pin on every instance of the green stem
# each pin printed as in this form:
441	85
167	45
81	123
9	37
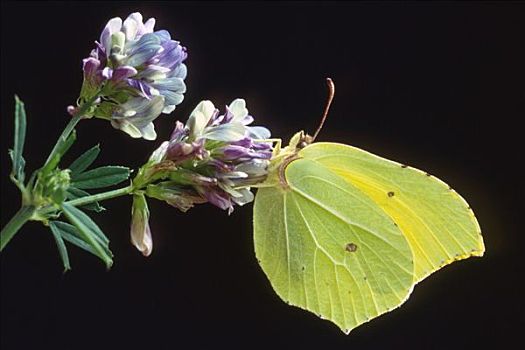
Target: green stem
26	211
71	125
21	217
99	197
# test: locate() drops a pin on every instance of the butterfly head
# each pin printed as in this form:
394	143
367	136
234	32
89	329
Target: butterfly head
304	141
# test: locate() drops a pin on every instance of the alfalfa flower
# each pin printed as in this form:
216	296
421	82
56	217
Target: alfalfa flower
213	158
136	73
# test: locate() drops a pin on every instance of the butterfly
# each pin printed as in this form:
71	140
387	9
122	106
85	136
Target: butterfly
347	234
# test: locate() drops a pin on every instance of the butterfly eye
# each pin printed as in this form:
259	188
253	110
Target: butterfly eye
305	141
302	144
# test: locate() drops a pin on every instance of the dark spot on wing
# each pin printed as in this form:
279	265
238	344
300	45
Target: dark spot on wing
391	194
404	166
351	247
427	174
302	268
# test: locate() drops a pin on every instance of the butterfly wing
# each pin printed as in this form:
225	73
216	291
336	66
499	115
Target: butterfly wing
436	220
327	248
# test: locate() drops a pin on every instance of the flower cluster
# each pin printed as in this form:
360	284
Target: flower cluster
136	73
213	158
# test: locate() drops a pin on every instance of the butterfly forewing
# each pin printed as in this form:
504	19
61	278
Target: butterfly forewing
436	220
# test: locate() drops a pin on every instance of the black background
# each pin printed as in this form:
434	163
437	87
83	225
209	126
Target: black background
439	86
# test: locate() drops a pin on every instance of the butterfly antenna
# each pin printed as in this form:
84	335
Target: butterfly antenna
331	93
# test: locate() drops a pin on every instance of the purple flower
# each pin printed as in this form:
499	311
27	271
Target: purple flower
133	62
214	157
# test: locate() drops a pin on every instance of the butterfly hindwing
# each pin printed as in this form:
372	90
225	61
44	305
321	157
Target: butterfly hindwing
328	248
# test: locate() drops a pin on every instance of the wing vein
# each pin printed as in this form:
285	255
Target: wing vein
287	246
337	215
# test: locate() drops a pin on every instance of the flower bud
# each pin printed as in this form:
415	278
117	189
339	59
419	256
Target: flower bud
140	231
54	186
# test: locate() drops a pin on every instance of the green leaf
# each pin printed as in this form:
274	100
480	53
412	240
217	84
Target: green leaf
90	232
19	140
21	176
74	193
72	235
101	177
62	147
85	160
62	250
98	234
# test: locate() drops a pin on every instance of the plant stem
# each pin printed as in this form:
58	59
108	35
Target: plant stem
70	126
99	197
26	211
17	221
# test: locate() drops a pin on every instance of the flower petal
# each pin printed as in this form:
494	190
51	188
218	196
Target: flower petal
168	109
179	72
238	109
230	132
164	35
171	84
148	26
245	198
199	118
90	66
143	50
123	72
255	167
218	198
136	115
114	25
178	132
148	132
153	72
258	132
159	153
127	127
131	25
